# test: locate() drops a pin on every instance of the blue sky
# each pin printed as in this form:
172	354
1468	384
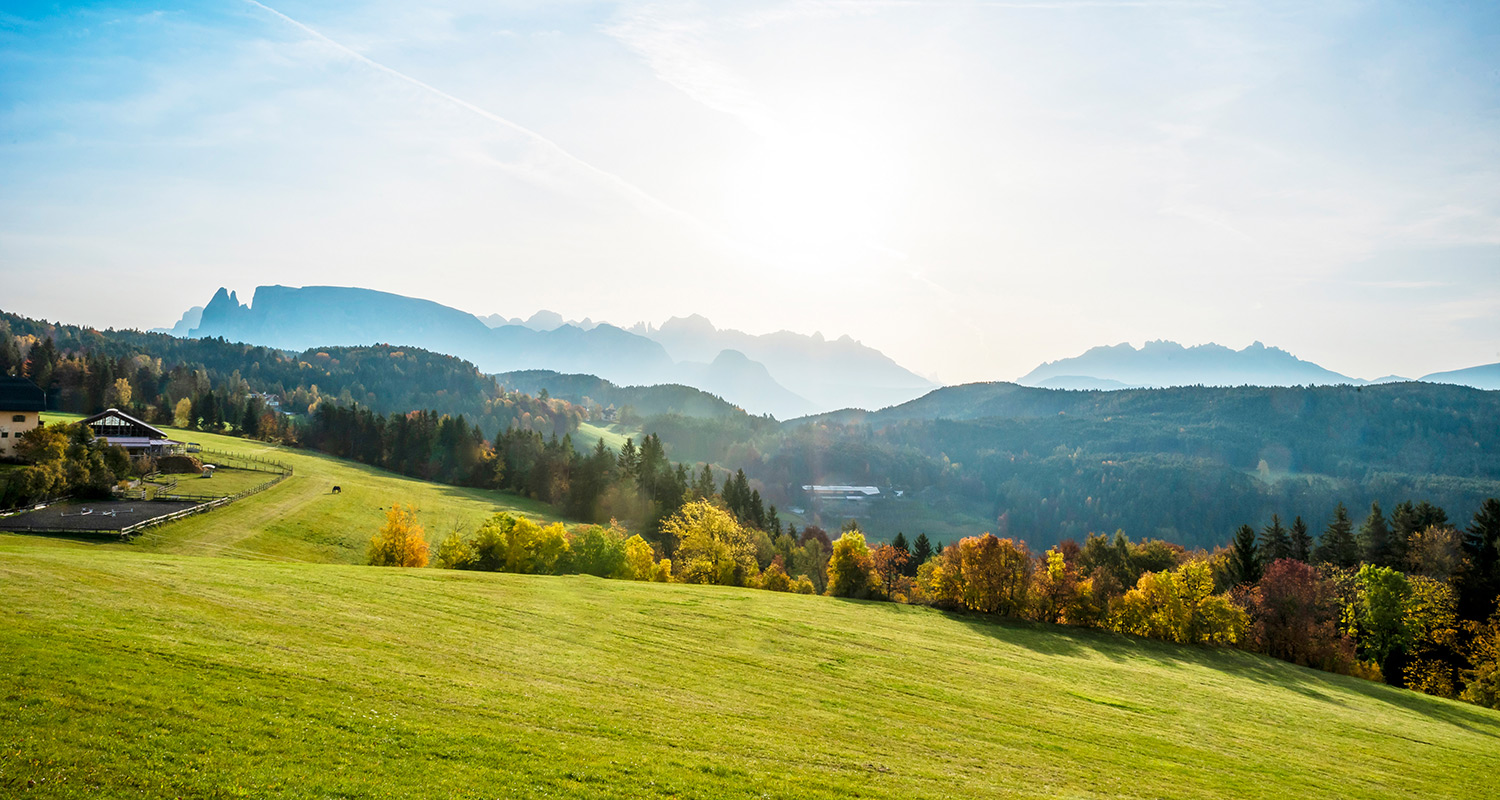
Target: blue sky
972	187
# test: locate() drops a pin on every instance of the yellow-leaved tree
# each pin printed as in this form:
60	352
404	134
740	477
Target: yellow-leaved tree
851	570
182	413
1180	606
711	546
401	541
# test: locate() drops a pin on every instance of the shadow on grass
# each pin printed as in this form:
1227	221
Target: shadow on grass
1066	641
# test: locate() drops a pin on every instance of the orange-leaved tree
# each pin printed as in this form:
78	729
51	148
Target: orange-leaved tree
401	541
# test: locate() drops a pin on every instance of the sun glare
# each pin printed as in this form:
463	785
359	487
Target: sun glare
818	196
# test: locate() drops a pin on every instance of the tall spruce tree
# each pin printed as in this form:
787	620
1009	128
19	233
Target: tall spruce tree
1302	542
1244	556
1338	547
1377	545
1480	587
921	550
1275	542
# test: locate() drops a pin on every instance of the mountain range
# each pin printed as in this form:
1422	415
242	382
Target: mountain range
783	374
1165	363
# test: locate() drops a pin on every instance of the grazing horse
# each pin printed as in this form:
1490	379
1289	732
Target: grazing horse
337	489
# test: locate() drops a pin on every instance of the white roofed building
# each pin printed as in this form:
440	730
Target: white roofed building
138	438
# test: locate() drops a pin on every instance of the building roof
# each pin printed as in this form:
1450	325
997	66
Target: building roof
840	489
135	426
20	394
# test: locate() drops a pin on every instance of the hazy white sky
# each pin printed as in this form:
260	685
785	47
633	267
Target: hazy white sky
971	187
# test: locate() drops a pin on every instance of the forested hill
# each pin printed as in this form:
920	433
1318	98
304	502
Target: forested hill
639	401
148	374
1189	464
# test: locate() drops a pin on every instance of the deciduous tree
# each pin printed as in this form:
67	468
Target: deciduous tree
712	546
401	541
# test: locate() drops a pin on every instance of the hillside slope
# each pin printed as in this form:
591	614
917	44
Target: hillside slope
175	676
300	519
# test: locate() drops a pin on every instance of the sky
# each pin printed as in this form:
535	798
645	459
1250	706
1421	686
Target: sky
971	187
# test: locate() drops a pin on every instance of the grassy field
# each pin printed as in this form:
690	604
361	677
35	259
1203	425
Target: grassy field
300	519
166	676
614	435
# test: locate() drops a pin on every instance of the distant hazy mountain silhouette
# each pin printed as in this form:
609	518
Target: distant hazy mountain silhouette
1484	377
543	320
841	373
1164	363
806	378
184	326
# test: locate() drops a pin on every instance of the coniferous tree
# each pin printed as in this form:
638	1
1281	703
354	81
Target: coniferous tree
1302	543
1338	547
1244	556
703	485
629	459
1480	587
921	550
1409	518
1377	545
1275	543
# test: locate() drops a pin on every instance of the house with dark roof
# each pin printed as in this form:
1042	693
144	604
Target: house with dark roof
138	438
21	406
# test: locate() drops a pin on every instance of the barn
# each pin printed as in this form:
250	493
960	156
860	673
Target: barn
138	438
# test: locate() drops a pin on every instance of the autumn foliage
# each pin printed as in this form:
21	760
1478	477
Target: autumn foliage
1294	614
401	541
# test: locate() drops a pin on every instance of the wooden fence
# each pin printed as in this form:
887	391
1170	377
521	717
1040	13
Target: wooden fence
203	502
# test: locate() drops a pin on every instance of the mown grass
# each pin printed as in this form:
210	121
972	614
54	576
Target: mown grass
613	434
223	482
300	519
151	675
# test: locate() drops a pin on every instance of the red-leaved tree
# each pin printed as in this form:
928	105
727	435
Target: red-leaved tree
1294	617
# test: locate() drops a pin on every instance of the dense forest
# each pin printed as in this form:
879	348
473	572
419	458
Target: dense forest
1186	464
629	403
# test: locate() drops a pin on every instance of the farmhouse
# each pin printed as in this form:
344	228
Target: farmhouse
21	405
850	493
137	437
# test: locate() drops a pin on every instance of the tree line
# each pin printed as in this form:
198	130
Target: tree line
224	387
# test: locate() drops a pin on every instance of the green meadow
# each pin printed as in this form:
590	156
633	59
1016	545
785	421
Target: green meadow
133	674
301	519
201	661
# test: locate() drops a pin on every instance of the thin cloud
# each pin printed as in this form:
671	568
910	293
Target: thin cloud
677	52
621	186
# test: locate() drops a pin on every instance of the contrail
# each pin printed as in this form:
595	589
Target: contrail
619	184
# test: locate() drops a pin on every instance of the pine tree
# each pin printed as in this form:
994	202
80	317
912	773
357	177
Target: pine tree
773	522
1377	545
921	550
630	459
1337	547
1481	586
1244	558
1275	543
703	485
1302	543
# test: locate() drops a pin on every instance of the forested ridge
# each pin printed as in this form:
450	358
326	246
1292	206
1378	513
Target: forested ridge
226	384
1186	464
